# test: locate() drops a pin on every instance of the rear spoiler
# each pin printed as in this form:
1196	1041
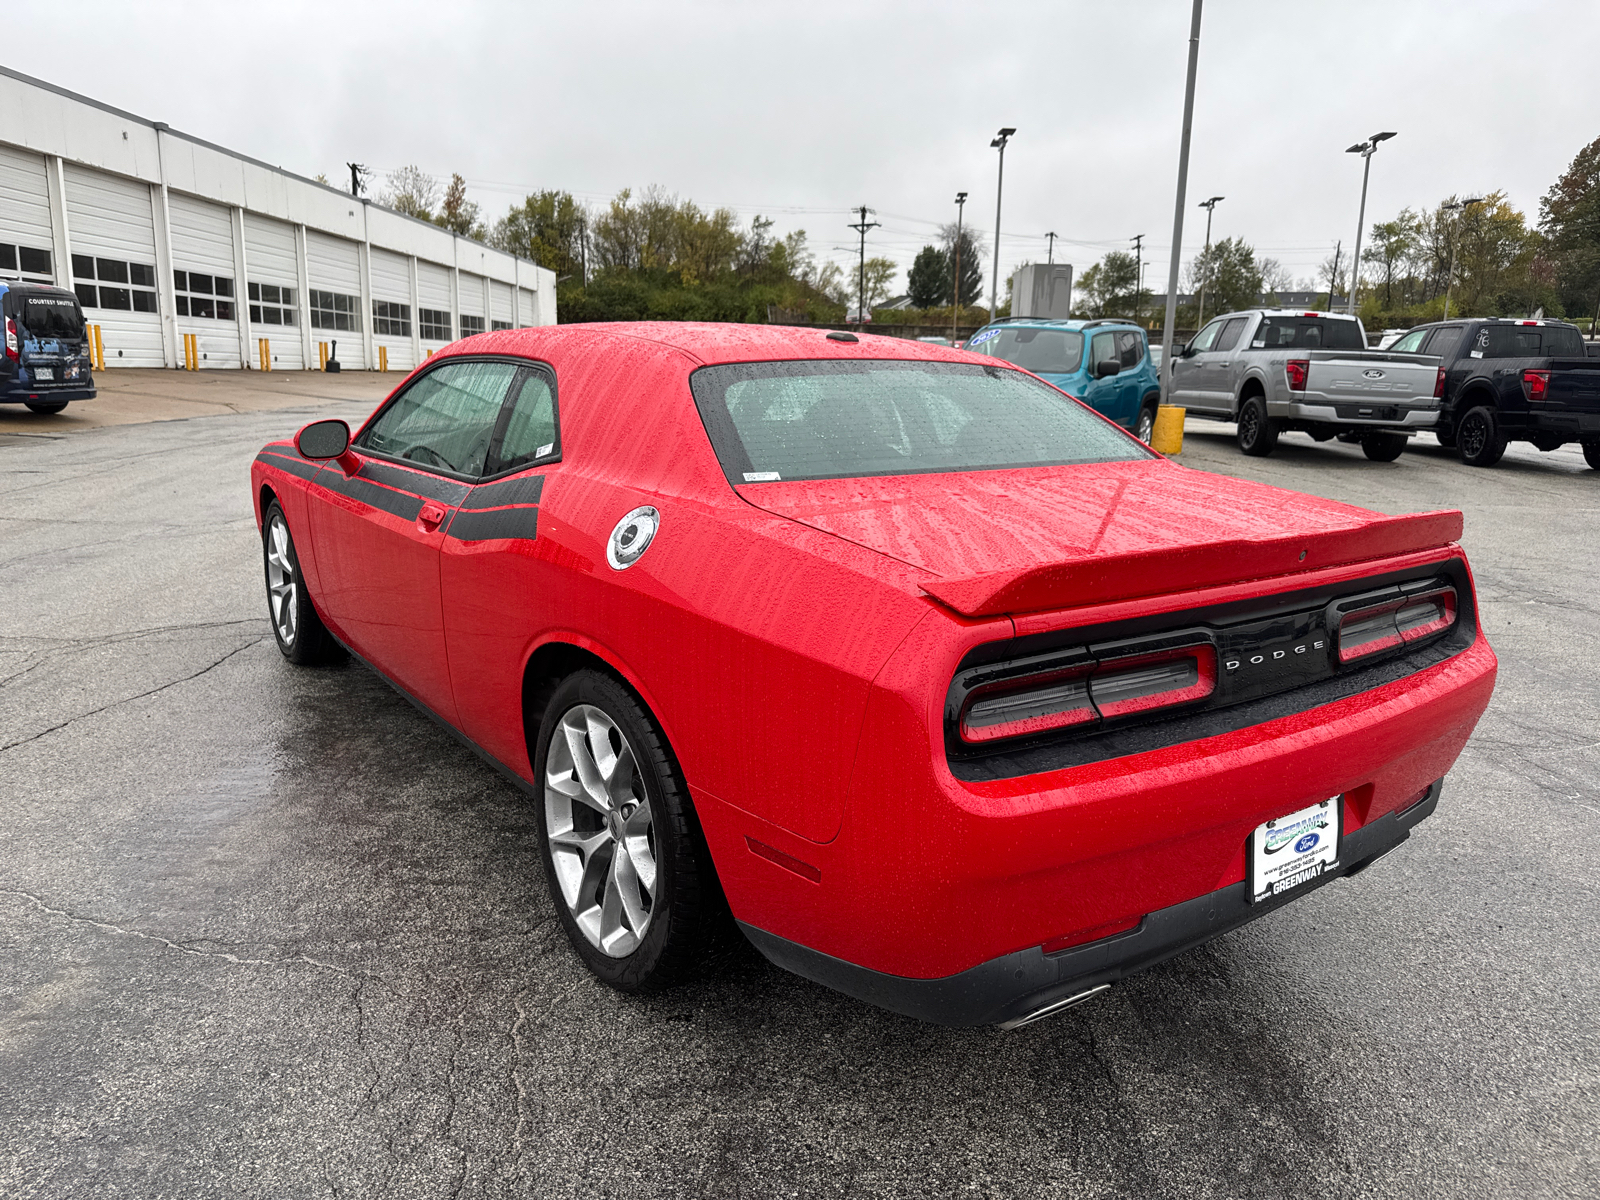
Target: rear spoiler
1156	572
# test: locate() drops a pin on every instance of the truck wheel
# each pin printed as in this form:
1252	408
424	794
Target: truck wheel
1383	447
1258	433
48	409
1479	438
1591	454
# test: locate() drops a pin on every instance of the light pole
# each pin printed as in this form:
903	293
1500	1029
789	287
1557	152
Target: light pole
1177	206
999	143
1050	253
1210	207
1366	149
1450	279
955	303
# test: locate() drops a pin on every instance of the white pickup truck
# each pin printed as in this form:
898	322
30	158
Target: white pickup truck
1275	370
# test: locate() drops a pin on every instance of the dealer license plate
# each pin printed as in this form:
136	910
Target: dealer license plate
1295	850
43	374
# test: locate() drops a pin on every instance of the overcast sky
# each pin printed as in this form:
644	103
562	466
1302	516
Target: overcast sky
801	111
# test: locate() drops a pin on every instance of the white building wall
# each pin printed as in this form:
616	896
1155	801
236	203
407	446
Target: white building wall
108	170
202	245
269	249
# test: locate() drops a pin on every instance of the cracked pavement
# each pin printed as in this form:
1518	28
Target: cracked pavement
269	932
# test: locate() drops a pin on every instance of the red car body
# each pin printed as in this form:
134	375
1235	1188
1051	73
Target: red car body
800	644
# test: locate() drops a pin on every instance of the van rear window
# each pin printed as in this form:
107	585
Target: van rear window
1308	333
52	317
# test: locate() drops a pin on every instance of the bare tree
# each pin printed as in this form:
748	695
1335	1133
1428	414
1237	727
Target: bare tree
412	191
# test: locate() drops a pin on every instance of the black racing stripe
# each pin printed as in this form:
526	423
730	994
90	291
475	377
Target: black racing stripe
469	525
434	487
525	489
399	503
292	463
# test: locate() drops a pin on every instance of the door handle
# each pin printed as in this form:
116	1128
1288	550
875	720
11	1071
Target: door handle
430	516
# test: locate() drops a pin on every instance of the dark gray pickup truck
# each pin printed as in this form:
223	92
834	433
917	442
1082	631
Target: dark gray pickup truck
1508	380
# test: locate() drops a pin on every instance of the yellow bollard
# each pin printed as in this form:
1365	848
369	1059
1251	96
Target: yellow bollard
1167	437
264	351
191	356
383	358
97	352
322	356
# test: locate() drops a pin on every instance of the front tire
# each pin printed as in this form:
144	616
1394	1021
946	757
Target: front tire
1258	433
1479	438
48	409
1383	447
630	878
301	636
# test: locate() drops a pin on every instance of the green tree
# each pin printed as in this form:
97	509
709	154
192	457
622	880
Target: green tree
1108	288
546	228
457	213
1393	245
1569	218
412	191
928	283
971	258
880	274
1231	274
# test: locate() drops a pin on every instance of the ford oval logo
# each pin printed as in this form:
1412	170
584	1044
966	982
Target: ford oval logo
1372	373
1307	843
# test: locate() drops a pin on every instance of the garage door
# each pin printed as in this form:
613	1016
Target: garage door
527	309
333	267
25	238
273	290
472	318
204	289
501	313
436	320
112	228
391	308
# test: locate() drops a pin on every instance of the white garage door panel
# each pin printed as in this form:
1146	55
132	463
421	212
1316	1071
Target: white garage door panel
528	313
333	264
433	286
202	236
24	200
471	294
270	258
500	302
391	278
111	217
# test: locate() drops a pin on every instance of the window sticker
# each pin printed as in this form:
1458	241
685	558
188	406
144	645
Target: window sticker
1259	344
984	337
764	476
1475	354
544	449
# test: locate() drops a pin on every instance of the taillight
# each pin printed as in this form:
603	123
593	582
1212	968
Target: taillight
1088	694
11	338
1438	385
1535	383
1384	626
1296	369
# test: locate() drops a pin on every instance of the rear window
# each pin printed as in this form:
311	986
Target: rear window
1528	341
1042	351
1308	333
834	419
52	317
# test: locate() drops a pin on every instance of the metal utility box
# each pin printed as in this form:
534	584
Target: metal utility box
1042	290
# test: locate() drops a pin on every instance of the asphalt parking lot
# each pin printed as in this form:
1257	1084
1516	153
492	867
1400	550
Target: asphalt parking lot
268	932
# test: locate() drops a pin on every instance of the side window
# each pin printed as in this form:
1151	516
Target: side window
1412	342
1444	341
445	418
1206	337
529	433
1130	346
1229	338
1101	347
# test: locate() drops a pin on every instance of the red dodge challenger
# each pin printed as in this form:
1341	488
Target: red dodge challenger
966	702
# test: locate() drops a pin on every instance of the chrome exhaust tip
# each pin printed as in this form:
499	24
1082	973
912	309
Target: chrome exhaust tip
1054	1007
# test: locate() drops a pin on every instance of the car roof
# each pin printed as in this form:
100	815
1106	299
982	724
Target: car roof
1076	323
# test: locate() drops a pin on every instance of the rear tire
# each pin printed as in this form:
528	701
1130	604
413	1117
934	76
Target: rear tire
48	409
301	636
1258	433
629	874
1591	454
1383	447
1145	428
1479	438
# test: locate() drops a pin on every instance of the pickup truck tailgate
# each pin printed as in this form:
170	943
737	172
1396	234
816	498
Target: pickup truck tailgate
1363	380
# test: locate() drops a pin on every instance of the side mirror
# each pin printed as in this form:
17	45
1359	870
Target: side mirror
1107	366
323	439
1186	350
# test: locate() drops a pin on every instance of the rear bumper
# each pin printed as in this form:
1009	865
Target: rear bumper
13	393
1349	414
1010	988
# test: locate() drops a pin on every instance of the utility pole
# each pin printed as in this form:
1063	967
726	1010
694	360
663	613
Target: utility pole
1450	279
861	227
1210	207
1366	149
1333	281
1177	207
1138	273
1050	254
999	143
955	303
358	177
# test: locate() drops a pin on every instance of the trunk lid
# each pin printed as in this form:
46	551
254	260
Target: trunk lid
1042	538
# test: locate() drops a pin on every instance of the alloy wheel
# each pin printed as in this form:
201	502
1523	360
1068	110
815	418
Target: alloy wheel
1473	436
281	582
601	830
1249	425
1147	425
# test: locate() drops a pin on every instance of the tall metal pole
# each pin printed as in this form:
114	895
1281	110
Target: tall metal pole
1177	207
955	303
1355	261
1000	141
1333	280
1210	207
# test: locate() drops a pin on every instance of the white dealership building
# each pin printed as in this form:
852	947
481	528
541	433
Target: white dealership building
182	251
